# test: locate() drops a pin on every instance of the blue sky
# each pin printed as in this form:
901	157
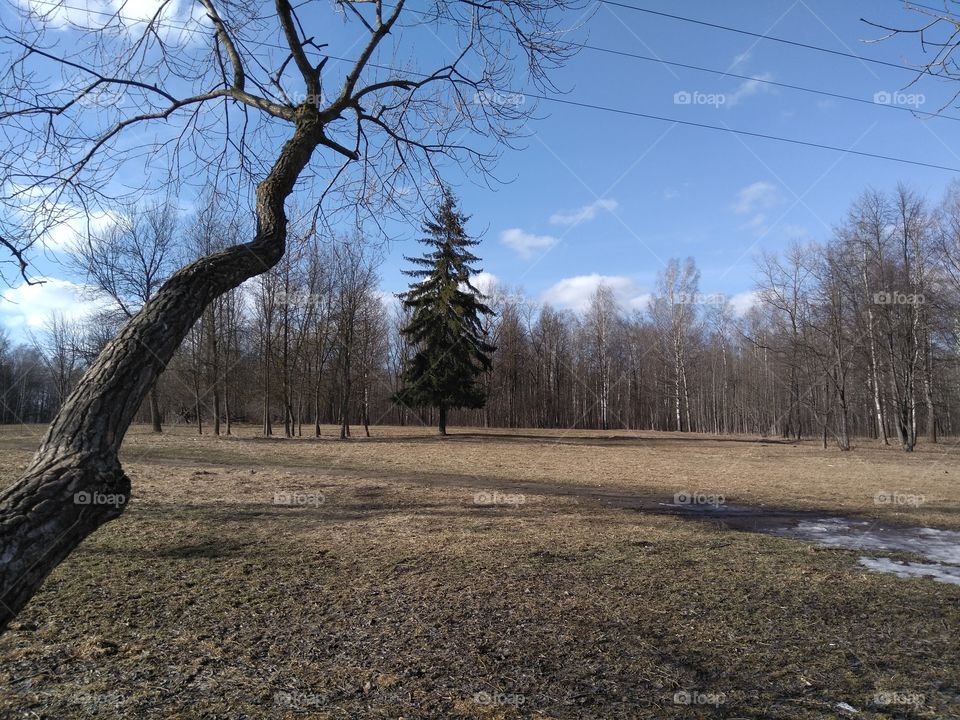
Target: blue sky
595	196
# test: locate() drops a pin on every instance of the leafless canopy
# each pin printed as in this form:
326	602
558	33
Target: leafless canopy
938	30
117	99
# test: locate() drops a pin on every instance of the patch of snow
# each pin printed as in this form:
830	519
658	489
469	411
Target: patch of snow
939	573
940	547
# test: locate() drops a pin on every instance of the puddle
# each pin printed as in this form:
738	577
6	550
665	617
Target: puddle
940	547
933	553
937	552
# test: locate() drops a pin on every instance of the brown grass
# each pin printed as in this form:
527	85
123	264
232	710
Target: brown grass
397	596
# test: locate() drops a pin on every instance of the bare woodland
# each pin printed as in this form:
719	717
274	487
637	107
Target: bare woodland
255	309
251	99
846	339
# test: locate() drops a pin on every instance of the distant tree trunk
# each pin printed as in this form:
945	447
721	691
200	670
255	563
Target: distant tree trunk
316	406
927	366
155	410
197	405
931	411
686	394
226	386
366	407
844	434
345	408
211	362
267	422
299	413
875	382
443	419
226	410
677	393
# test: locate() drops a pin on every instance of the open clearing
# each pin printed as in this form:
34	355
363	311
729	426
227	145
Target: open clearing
384	590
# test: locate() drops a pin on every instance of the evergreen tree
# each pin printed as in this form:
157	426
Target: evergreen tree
445	330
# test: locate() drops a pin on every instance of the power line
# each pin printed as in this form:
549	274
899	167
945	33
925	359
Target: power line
645	58
707	126
725	73
748	133
772	38
53	5
764	81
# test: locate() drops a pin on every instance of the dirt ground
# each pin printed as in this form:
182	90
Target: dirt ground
490	574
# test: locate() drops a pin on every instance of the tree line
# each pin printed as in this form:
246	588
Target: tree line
856	336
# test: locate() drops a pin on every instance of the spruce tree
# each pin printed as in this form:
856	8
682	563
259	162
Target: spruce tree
445	329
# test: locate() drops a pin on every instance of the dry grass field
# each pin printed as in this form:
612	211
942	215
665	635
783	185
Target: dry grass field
305	578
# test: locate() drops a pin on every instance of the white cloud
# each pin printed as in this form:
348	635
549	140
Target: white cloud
756	196
27	307
485	282
639	302
58	226
587	212
526	244
743	301
389	299
65	235
575	292
176	22
757	84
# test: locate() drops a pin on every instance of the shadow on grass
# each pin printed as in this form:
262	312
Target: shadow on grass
563	437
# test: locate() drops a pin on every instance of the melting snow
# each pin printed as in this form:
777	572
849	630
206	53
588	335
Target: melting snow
940	573
941	547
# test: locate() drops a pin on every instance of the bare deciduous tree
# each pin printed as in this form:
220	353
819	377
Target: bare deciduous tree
129	260
674	312
216	108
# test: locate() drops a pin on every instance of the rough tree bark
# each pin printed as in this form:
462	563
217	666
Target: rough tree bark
42	515
390	120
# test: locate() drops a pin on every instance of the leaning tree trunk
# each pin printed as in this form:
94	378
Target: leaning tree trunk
75	484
